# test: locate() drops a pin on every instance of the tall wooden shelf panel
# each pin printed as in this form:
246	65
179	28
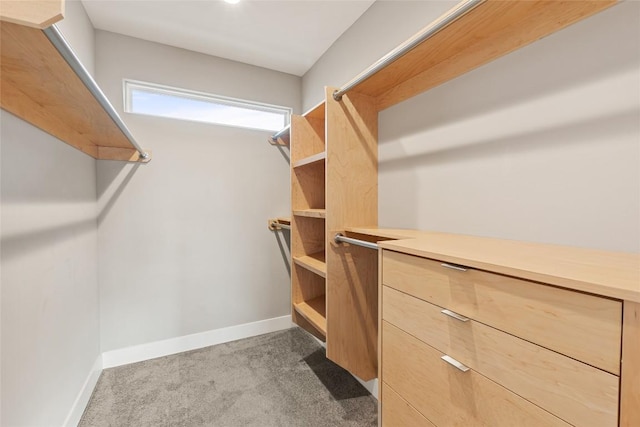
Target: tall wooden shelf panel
352	198
308	283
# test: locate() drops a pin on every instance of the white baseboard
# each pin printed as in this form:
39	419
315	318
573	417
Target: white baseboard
75	414
138	353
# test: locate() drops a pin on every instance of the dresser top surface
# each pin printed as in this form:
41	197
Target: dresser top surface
610	274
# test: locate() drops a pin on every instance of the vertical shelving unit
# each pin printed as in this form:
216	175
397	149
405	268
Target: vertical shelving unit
309	269
334	184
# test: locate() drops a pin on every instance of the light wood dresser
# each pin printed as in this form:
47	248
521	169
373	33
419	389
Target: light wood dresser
486	332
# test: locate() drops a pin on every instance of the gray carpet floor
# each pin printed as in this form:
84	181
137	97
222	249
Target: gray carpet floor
280	379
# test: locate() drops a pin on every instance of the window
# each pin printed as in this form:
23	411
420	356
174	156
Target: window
162	101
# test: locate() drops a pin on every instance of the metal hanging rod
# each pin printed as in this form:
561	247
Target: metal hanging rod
275	136
341	238
454	14
57	39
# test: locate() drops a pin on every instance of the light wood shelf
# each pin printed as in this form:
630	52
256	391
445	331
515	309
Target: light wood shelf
315	158
315	263
489	31
39	86
314	311
311	213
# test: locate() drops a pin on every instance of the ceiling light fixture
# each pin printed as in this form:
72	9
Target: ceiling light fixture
232	1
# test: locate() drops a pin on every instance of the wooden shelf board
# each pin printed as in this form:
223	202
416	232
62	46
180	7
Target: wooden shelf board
320	157
315	263
34	13
40	87
311	213
489	31
314	311
316	112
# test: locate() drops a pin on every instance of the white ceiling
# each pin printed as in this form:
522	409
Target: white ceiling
287	36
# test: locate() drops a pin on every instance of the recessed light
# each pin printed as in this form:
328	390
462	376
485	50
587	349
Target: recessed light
232	1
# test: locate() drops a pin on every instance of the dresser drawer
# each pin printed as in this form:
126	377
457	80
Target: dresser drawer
584	327
578	393
396	412
447	396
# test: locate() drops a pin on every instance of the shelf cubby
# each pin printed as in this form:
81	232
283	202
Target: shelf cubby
308	190
308	300
314	312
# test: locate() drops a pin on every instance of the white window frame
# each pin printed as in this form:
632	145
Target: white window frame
128	85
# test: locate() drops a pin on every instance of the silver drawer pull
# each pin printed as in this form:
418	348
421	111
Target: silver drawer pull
454	266
455	315
453	362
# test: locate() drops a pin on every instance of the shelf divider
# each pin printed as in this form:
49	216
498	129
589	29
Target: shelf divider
311	213
320	157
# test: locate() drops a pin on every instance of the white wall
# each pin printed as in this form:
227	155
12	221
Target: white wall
541	145
77	29
49	283
183	241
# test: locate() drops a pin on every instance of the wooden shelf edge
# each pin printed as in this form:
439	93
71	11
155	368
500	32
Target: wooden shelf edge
316	112
122	154
388	233
35	14
311	213
315	263
316	158
314	312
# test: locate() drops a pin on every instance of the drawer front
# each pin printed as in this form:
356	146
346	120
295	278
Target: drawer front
396	412
447	396
578	393
581	326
